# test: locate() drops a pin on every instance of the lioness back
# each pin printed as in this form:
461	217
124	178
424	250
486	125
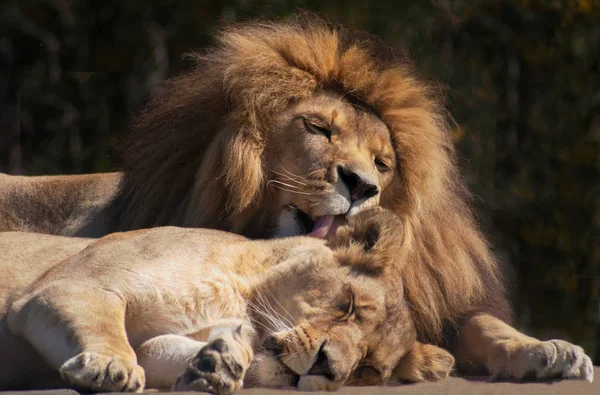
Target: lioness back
24	257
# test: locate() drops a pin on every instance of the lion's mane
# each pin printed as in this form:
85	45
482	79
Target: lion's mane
196	155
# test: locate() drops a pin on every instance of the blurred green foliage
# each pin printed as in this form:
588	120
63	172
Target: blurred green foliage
524	79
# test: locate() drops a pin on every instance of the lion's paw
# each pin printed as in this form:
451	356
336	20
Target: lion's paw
217	369
548	359
97	372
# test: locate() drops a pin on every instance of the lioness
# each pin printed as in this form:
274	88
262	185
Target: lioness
212	307
291	128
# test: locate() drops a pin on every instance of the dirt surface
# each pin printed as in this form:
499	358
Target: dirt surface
451	386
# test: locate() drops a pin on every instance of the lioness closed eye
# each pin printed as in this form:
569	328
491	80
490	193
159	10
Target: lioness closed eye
210	311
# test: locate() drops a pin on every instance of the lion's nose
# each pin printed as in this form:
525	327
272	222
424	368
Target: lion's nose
358	187
321	366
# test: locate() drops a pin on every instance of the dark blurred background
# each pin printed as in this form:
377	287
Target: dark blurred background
524	90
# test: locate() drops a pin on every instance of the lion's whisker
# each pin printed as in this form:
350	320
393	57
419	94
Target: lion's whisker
288	320
296	176
270	319
292	191
276	313
288	178
271	314
282	183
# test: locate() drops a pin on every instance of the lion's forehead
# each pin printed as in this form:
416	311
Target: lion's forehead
347	117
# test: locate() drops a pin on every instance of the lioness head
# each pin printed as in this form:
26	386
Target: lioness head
331	319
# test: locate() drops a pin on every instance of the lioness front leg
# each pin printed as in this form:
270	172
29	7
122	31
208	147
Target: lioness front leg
507	353
220	366
80	330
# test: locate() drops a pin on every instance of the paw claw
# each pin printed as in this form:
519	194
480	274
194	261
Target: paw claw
98	372
216	369
548	359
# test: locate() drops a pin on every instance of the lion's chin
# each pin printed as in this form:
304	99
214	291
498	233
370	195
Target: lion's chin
325	227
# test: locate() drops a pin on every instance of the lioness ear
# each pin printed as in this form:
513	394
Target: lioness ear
424	362
371	228
371	240
370	236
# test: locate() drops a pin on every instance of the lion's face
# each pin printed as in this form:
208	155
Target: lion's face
334	317
329	157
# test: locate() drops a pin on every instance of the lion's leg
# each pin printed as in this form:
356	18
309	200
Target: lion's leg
80	330
221	365
424	362
165	357
484	340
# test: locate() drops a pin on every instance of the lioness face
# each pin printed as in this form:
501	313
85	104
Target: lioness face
336	317
331	159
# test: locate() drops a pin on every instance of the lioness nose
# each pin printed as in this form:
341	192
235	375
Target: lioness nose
358	187
321	366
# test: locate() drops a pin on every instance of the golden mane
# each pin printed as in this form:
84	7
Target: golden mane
195	157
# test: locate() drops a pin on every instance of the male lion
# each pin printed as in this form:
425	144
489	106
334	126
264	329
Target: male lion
283	312
290	128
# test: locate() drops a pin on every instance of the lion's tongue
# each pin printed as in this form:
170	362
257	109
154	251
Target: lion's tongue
325	226
321	227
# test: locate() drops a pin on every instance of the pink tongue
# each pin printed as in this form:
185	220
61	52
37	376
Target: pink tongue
321	227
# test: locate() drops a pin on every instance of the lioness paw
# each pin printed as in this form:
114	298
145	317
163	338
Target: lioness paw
545	360
218	369
97	372
425	362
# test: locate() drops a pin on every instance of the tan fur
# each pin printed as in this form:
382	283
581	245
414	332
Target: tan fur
74	310
64	205
232	144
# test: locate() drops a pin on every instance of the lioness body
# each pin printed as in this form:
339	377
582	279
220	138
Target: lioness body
168	289
94	314
283	126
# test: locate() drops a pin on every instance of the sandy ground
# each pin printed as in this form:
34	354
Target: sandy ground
451	386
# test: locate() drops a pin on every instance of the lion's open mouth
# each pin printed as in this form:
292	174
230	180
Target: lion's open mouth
321	227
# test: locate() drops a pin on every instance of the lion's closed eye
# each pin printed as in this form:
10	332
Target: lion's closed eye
317	128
